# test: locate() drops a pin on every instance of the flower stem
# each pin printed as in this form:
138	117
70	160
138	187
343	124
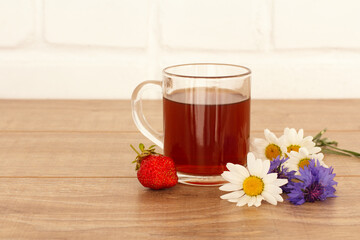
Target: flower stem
347	151
329	151
325	144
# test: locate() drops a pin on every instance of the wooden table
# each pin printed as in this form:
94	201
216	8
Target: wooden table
66	173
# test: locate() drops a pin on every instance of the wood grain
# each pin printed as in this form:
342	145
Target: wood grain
108	154
65	173
117	208
115	115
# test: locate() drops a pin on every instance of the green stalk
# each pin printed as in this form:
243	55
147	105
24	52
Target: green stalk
325	144
355	154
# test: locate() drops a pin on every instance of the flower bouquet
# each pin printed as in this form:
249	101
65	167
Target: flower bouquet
291	164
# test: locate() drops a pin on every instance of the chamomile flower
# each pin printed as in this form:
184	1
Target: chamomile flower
268	148
252	184
298	160
293	141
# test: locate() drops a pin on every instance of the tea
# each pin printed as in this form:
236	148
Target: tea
205	128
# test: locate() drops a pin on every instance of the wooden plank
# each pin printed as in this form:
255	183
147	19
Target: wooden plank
108	154
66	115
67	154
311	115
122	209
115	115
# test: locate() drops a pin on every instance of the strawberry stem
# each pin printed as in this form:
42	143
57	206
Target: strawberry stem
144	153
134	149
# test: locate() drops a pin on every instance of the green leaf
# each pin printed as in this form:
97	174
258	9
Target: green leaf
318	136
141	146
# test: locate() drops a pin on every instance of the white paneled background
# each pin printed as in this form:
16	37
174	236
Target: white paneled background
91	49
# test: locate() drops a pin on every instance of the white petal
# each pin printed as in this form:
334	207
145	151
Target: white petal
292	163
230	177
233	200
293	154
269	178
243	200
301	134
251	162
266	134
323	164
314	150
303	152
252	201
308	139
281	139
243	171
283	149
255	167
260	141
270	137
278	197
286	132
319	156
269	198
239	169
232	195
308	145
229	166
233	170
292	136
260	155
250	157
230	187
265	167
259	167
292	167
258	147
259	198
273	189
280	181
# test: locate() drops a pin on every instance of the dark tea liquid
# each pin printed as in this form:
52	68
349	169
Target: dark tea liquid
205	128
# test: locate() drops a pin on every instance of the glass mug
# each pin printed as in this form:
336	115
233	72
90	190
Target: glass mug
206	111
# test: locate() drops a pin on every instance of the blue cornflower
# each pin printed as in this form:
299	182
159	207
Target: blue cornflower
277	166
315	183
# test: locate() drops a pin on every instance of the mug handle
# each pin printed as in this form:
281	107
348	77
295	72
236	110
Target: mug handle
138	116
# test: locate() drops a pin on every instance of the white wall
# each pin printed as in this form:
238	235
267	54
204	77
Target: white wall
104	48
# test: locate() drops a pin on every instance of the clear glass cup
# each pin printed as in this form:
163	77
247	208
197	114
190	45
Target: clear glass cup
206	112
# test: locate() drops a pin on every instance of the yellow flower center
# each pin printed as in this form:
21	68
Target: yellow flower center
253	186
272	151
304	162
293	148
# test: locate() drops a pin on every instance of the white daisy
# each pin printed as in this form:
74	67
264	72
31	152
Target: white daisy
250	186
300	159
268	148
293	141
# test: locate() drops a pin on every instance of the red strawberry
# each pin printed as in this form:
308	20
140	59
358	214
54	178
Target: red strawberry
154	170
